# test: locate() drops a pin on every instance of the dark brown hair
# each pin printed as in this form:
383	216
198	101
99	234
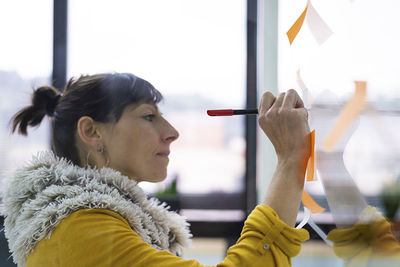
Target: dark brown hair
103	97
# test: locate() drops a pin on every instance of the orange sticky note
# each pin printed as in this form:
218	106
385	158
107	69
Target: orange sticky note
294	30
310	204
311	161
348	114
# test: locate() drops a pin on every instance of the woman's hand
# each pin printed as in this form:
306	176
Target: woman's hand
285	121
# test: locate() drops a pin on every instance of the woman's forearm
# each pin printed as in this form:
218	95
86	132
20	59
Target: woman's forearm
285	121
285	190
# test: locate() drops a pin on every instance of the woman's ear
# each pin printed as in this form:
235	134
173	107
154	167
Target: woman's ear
88	131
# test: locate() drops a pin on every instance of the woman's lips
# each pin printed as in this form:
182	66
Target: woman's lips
163	154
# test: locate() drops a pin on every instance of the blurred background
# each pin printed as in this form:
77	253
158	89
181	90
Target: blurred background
209	55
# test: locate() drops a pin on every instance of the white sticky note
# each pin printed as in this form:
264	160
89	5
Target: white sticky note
318	26
307	97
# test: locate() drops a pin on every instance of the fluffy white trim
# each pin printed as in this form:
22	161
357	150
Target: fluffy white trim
49	189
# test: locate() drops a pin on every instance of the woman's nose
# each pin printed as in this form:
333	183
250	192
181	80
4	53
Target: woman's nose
170	134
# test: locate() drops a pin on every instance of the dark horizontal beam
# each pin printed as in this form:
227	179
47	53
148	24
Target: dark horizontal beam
216	229
234	201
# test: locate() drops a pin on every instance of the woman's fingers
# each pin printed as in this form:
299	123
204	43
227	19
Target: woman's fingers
279	101
288	100
292	100
267	100
285	123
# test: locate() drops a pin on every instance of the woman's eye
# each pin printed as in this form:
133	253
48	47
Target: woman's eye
149	117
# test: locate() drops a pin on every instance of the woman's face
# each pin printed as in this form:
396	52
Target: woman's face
138	145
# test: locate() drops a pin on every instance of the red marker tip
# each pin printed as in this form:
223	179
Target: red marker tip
220	112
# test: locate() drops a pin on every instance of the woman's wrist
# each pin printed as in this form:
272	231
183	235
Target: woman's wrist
295	166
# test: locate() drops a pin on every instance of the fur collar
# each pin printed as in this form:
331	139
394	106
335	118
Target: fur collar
49	189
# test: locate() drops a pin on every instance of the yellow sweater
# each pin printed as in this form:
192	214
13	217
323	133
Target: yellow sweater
99	237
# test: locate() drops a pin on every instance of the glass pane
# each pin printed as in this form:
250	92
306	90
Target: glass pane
26	59
363	47
194	53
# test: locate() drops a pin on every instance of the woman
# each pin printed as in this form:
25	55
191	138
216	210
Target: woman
81	206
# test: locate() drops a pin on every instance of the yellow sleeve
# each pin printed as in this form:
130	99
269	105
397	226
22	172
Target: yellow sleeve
99	237
364	241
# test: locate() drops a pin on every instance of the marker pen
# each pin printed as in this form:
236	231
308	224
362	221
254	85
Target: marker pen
230	112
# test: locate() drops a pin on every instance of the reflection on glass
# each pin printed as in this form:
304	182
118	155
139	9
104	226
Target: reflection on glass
360	179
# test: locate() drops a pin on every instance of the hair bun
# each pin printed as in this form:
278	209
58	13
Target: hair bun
52	104
44	102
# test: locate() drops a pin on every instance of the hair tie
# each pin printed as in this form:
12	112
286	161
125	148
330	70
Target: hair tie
51	106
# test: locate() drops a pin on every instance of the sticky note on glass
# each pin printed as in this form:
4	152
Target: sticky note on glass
318	27
307	200
346	117
310	203
310	176
307	97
